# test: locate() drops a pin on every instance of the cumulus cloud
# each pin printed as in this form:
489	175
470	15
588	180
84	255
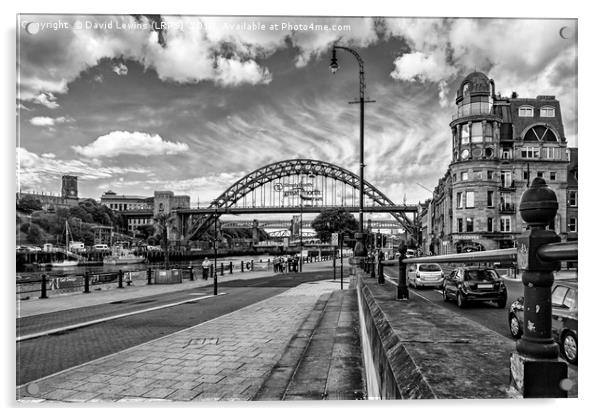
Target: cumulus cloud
192	50
41	121
443	50
120	69
47	99
130	143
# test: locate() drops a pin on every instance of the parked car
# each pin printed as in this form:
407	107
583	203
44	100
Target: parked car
564	318
468	284
410	253
425	275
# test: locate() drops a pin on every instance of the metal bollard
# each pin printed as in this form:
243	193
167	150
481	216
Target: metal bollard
402	285
87	282
148	276
191	273
221	271
120	286
231	267
211	270
252	266
242	266
381	274
372	268
536	352
43	295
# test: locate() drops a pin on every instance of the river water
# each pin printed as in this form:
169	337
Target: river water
259	261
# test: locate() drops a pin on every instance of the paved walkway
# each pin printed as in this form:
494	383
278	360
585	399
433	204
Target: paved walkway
140	289
228	358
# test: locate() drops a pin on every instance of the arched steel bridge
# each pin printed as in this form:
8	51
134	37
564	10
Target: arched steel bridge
264	183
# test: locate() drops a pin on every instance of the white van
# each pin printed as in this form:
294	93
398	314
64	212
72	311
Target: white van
101	247
425	275
76	246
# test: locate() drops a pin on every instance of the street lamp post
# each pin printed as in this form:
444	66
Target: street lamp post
360	247
215	251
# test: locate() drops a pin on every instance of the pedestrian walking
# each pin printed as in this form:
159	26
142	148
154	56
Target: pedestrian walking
205	265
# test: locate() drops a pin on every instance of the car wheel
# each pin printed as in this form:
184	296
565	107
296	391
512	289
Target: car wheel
515	328
460	301
568	345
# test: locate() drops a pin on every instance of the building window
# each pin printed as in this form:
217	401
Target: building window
572	226
572	198
464	134
547	112
459	200
469	201
477	133
540	133
490	199
490	224
506	179
490	174
469	225
505	224
540	174
464	176
525	111
530	152
506	153
552	176
460	225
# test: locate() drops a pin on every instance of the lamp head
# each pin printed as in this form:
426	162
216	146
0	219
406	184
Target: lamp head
334	65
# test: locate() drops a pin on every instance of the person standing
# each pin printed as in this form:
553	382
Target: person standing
205	265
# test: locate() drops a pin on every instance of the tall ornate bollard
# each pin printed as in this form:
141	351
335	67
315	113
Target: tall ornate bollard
120	284
402	284
43	294
87	282
148	276
191	273
231	267
242	266
535	368
372	266
221	269
381	271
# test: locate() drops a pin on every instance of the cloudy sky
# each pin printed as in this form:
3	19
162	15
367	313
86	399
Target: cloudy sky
195	106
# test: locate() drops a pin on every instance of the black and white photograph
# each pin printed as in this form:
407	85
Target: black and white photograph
233	207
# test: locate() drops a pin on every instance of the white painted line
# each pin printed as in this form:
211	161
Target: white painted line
110	318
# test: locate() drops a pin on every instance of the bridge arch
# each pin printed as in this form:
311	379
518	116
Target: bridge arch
287	168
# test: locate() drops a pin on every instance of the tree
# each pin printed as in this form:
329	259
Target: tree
28	205
334	220
35	235
145	231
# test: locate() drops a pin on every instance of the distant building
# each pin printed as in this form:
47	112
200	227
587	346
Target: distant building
498	146
140	210
67	199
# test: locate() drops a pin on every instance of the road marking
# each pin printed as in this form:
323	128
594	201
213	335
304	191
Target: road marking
110	318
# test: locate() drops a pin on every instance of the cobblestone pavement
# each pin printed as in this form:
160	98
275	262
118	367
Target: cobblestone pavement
227	358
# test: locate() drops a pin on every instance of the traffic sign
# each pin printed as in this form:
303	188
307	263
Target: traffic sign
334	239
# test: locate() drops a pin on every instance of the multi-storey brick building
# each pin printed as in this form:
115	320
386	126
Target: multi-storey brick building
498	145
141	210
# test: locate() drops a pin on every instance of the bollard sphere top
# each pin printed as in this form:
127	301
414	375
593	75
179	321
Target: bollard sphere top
538	205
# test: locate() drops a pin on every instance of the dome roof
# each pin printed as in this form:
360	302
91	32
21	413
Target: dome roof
477	82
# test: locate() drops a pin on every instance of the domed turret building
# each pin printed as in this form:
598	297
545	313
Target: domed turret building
499	145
